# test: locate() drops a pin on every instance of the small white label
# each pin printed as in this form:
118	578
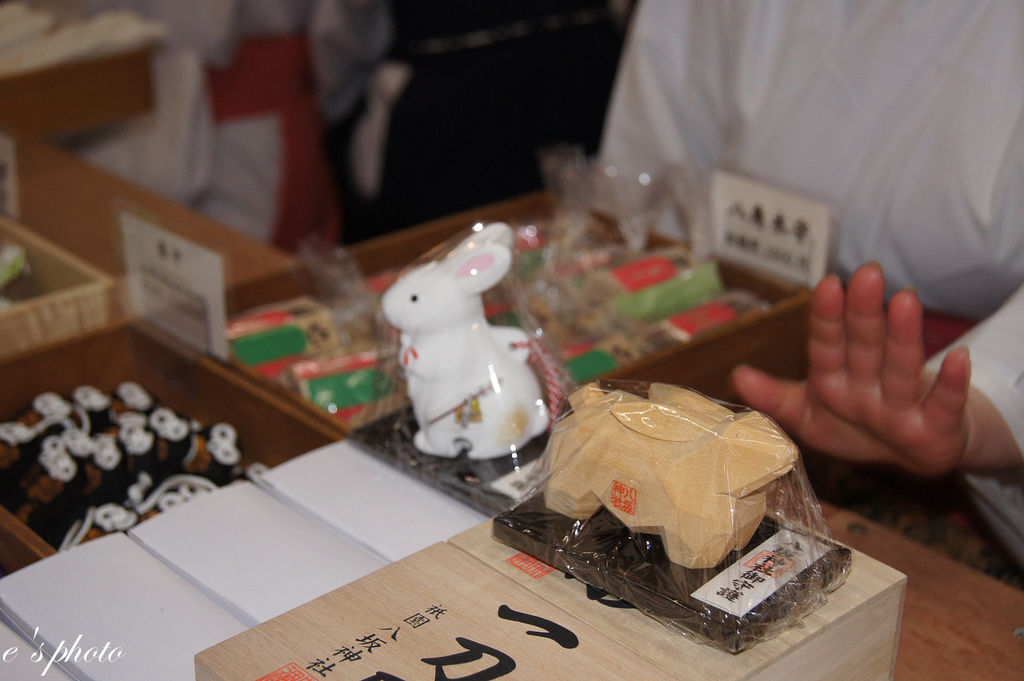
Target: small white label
517	483
761	572
175	285
760	226
8	177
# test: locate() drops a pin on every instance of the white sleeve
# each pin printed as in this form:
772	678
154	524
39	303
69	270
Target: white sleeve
168	150
997	369
997	361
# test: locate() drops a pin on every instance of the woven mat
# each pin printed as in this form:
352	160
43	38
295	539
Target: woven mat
937	513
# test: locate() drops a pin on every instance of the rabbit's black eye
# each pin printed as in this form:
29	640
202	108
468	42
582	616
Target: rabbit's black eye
414	297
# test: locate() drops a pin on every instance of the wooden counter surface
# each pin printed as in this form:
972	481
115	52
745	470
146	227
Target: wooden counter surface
958	623
76	205
401	248
76	95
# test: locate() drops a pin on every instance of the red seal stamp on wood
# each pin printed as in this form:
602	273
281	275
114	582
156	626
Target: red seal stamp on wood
291	672
530	565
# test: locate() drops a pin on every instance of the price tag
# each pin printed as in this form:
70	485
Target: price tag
175	285
517	483
8	177
757	225
746	583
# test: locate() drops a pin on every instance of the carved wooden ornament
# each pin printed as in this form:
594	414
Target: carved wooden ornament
676	464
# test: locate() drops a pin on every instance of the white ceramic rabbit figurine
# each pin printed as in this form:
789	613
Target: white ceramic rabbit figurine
469	382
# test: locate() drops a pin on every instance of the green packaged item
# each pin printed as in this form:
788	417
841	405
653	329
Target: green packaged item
691	287
590	364
269	338
338	391
12	263
265	346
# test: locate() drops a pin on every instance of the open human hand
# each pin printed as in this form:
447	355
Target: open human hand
867	397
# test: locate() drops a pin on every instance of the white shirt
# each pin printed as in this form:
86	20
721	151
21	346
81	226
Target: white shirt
908	117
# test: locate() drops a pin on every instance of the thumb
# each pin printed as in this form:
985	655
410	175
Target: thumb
782	400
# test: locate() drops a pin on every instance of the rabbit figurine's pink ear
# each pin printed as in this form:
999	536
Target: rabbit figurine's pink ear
480	267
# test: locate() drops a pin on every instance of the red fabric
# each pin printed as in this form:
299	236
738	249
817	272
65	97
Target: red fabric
273	74
941	330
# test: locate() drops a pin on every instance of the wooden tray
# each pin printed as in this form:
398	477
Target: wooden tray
773	340
71	202
77	95
270	430
60	296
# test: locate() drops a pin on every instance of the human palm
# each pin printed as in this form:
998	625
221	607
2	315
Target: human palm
867	397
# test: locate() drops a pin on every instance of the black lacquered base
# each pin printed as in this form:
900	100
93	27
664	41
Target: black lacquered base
604	553
471	481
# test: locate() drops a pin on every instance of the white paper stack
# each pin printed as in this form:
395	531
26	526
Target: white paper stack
252	553
114	613
365	499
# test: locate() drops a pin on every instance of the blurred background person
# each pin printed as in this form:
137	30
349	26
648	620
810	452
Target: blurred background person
461	99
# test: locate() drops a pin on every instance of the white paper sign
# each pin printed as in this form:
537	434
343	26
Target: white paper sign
757	225
8	177
761	572
175	284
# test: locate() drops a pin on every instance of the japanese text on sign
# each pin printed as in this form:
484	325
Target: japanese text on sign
174	284
760	573
768	229
470	652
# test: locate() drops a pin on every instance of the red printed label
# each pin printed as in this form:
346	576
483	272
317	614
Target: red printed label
624	497
644	273
348	413
493	308
380	283
342	364
770	563
291	672
703	317
270	319
273	369
577	349
530	565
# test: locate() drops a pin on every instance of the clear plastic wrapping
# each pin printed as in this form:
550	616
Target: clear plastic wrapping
13	262
605	293
483	388
695	512
329	345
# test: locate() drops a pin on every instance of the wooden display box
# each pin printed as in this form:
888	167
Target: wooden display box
77	95
773	340
86	220
270	430
60	295
472	606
